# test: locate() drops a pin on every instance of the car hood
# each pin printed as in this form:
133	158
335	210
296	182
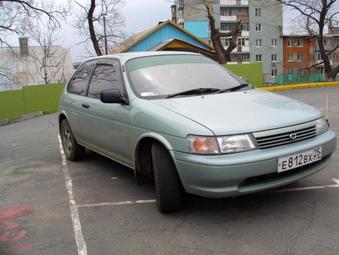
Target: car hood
241	112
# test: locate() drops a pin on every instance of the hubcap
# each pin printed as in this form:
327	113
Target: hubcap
67	142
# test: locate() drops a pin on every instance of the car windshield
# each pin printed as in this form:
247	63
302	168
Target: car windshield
168	75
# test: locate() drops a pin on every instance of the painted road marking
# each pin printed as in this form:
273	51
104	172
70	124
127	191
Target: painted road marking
150	201
326	108
79	238
330	186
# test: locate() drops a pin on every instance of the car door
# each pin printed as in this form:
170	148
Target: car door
108	123
75	101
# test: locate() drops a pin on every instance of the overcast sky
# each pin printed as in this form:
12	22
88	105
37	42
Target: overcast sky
138	14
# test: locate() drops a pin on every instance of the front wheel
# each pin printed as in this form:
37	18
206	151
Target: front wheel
73	150
167	182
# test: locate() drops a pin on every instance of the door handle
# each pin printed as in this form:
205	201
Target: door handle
85	106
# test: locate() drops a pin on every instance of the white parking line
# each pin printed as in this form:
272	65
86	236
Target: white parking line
326	107
150	201
79	238
117	203
331	186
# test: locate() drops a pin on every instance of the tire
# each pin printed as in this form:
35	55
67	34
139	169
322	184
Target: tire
73	150
166	179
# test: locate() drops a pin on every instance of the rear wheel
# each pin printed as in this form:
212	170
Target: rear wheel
73	150
167	182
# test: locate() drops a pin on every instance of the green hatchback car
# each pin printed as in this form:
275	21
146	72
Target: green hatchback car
191	125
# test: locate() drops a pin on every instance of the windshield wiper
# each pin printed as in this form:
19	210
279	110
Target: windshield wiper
243	85
198	91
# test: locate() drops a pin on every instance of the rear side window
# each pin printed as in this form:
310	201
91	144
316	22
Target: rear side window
78	84
105	77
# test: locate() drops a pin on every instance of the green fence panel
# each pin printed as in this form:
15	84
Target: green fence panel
254	73
30	99
11	104
292	78
43	98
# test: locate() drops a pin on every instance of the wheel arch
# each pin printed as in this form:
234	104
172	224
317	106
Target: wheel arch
62	116
142	152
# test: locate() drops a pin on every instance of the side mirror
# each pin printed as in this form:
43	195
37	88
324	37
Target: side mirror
244	80
112	96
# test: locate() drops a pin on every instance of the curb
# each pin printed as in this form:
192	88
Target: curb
301	86
21	118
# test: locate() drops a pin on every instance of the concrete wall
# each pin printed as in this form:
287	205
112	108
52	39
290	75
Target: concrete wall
195	10
271	20
26	70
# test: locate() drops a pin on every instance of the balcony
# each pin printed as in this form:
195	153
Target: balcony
234	3
228	18
245	33
245	49
240	49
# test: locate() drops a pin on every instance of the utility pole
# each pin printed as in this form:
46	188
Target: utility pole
105	35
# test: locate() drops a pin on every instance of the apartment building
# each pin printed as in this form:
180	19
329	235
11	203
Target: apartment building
299	53
29	65
331	44
261	23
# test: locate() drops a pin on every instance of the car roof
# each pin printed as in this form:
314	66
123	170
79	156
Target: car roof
124	57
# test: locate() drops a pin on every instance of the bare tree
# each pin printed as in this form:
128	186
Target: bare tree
205	7
223	55
91	23
49	58
14	14
316	15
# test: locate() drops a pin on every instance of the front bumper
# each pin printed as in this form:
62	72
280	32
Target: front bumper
241	173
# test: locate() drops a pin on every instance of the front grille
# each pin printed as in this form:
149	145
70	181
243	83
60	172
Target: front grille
275	140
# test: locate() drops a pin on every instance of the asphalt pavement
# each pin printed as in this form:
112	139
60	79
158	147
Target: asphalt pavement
49	206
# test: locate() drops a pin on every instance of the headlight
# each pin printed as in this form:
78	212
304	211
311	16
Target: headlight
235	143
321	126
202	144
218	145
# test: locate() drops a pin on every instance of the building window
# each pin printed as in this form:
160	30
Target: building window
289	42
274	72
244	26
290	58
225	12
258	12
274	57
258	27
258	58
274	42
226	42
300	43
300	57
227	26
258	42
241	41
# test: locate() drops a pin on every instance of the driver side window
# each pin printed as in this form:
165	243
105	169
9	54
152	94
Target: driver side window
105	77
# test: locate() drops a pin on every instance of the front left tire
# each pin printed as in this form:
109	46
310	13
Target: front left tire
167	182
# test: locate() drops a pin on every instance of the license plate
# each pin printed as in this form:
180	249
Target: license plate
299	159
